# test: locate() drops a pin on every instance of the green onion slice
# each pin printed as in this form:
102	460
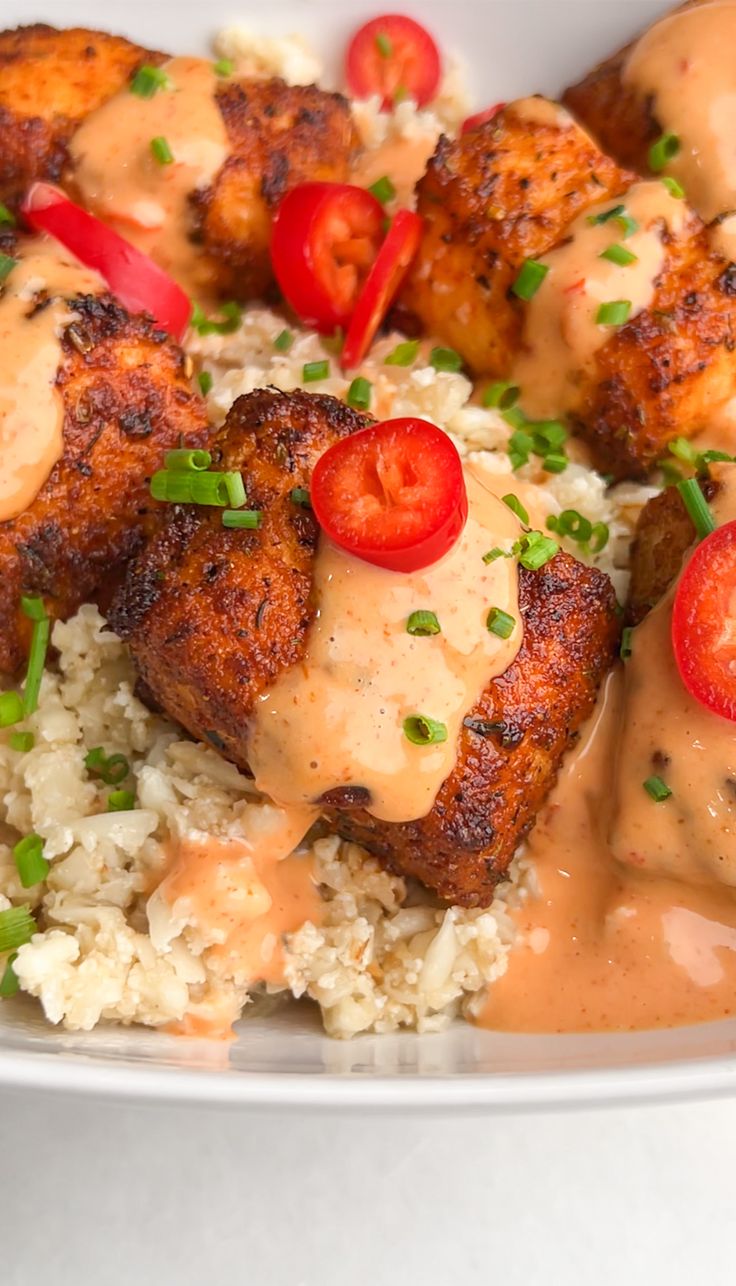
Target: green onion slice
529	279
627	225
497	552
30	862
245	519
193	459
161	152
17	926
663	151
614	313
445	359
283	341
7	216
404	354
500	623
657	789
598	538
11	709
674	188
359	394
313	371
421	624
7	264
148	81
420	730
514	504
9	985
34	608
204	379
22	742
535	549
503	394
697	507
231	315
383	189
619	255
120	801
571	523
224	67
606	215
300	496
626	637
112	769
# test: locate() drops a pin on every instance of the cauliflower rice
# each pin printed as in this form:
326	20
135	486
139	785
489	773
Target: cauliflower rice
109	947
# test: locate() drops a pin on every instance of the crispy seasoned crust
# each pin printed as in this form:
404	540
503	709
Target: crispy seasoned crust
127	399
490	199
513	741
214	616
624	123
280	135
49	81
664	533
658	377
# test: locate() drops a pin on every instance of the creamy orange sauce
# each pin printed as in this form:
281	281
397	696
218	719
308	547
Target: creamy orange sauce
635	924
243	895
561	333
685	64
31	406
120	180
337	720
403	160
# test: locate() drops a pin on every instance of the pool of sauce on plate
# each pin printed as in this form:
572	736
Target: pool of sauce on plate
635	922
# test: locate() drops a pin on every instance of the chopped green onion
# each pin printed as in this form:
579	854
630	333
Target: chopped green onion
519	446
9	985
384	44
619	255
570	523
7	216
421	624
706	458
224	67
312	371
663	151
657	789
112	769
502	394
161	152
300	496
515	505
555	462
235	488
529	279
7	264
500	623
148	80
22	742
35	610
423	731
496	552
445	359
404	353
697	507
598	538
120	801
30	862
684	451
674	188
188	459
534	550
359	394
283	341
515	418
247	519
613	213
615	313
383	189
231	316
11	709
626	637
627	225
204	379
547	434
17	926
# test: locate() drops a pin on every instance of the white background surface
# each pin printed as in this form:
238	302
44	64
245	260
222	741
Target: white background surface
105	1194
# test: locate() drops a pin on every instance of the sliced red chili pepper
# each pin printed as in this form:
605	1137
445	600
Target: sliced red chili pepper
481	118
704	622
325	239
395	57
383	281
139	283
392	494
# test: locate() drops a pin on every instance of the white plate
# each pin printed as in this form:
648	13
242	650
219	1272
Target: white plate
512	47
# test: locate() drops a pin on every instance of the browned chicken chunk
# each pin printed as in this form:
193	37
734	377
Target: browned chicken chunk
515	189
664	533
213	617
126	397
49	81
